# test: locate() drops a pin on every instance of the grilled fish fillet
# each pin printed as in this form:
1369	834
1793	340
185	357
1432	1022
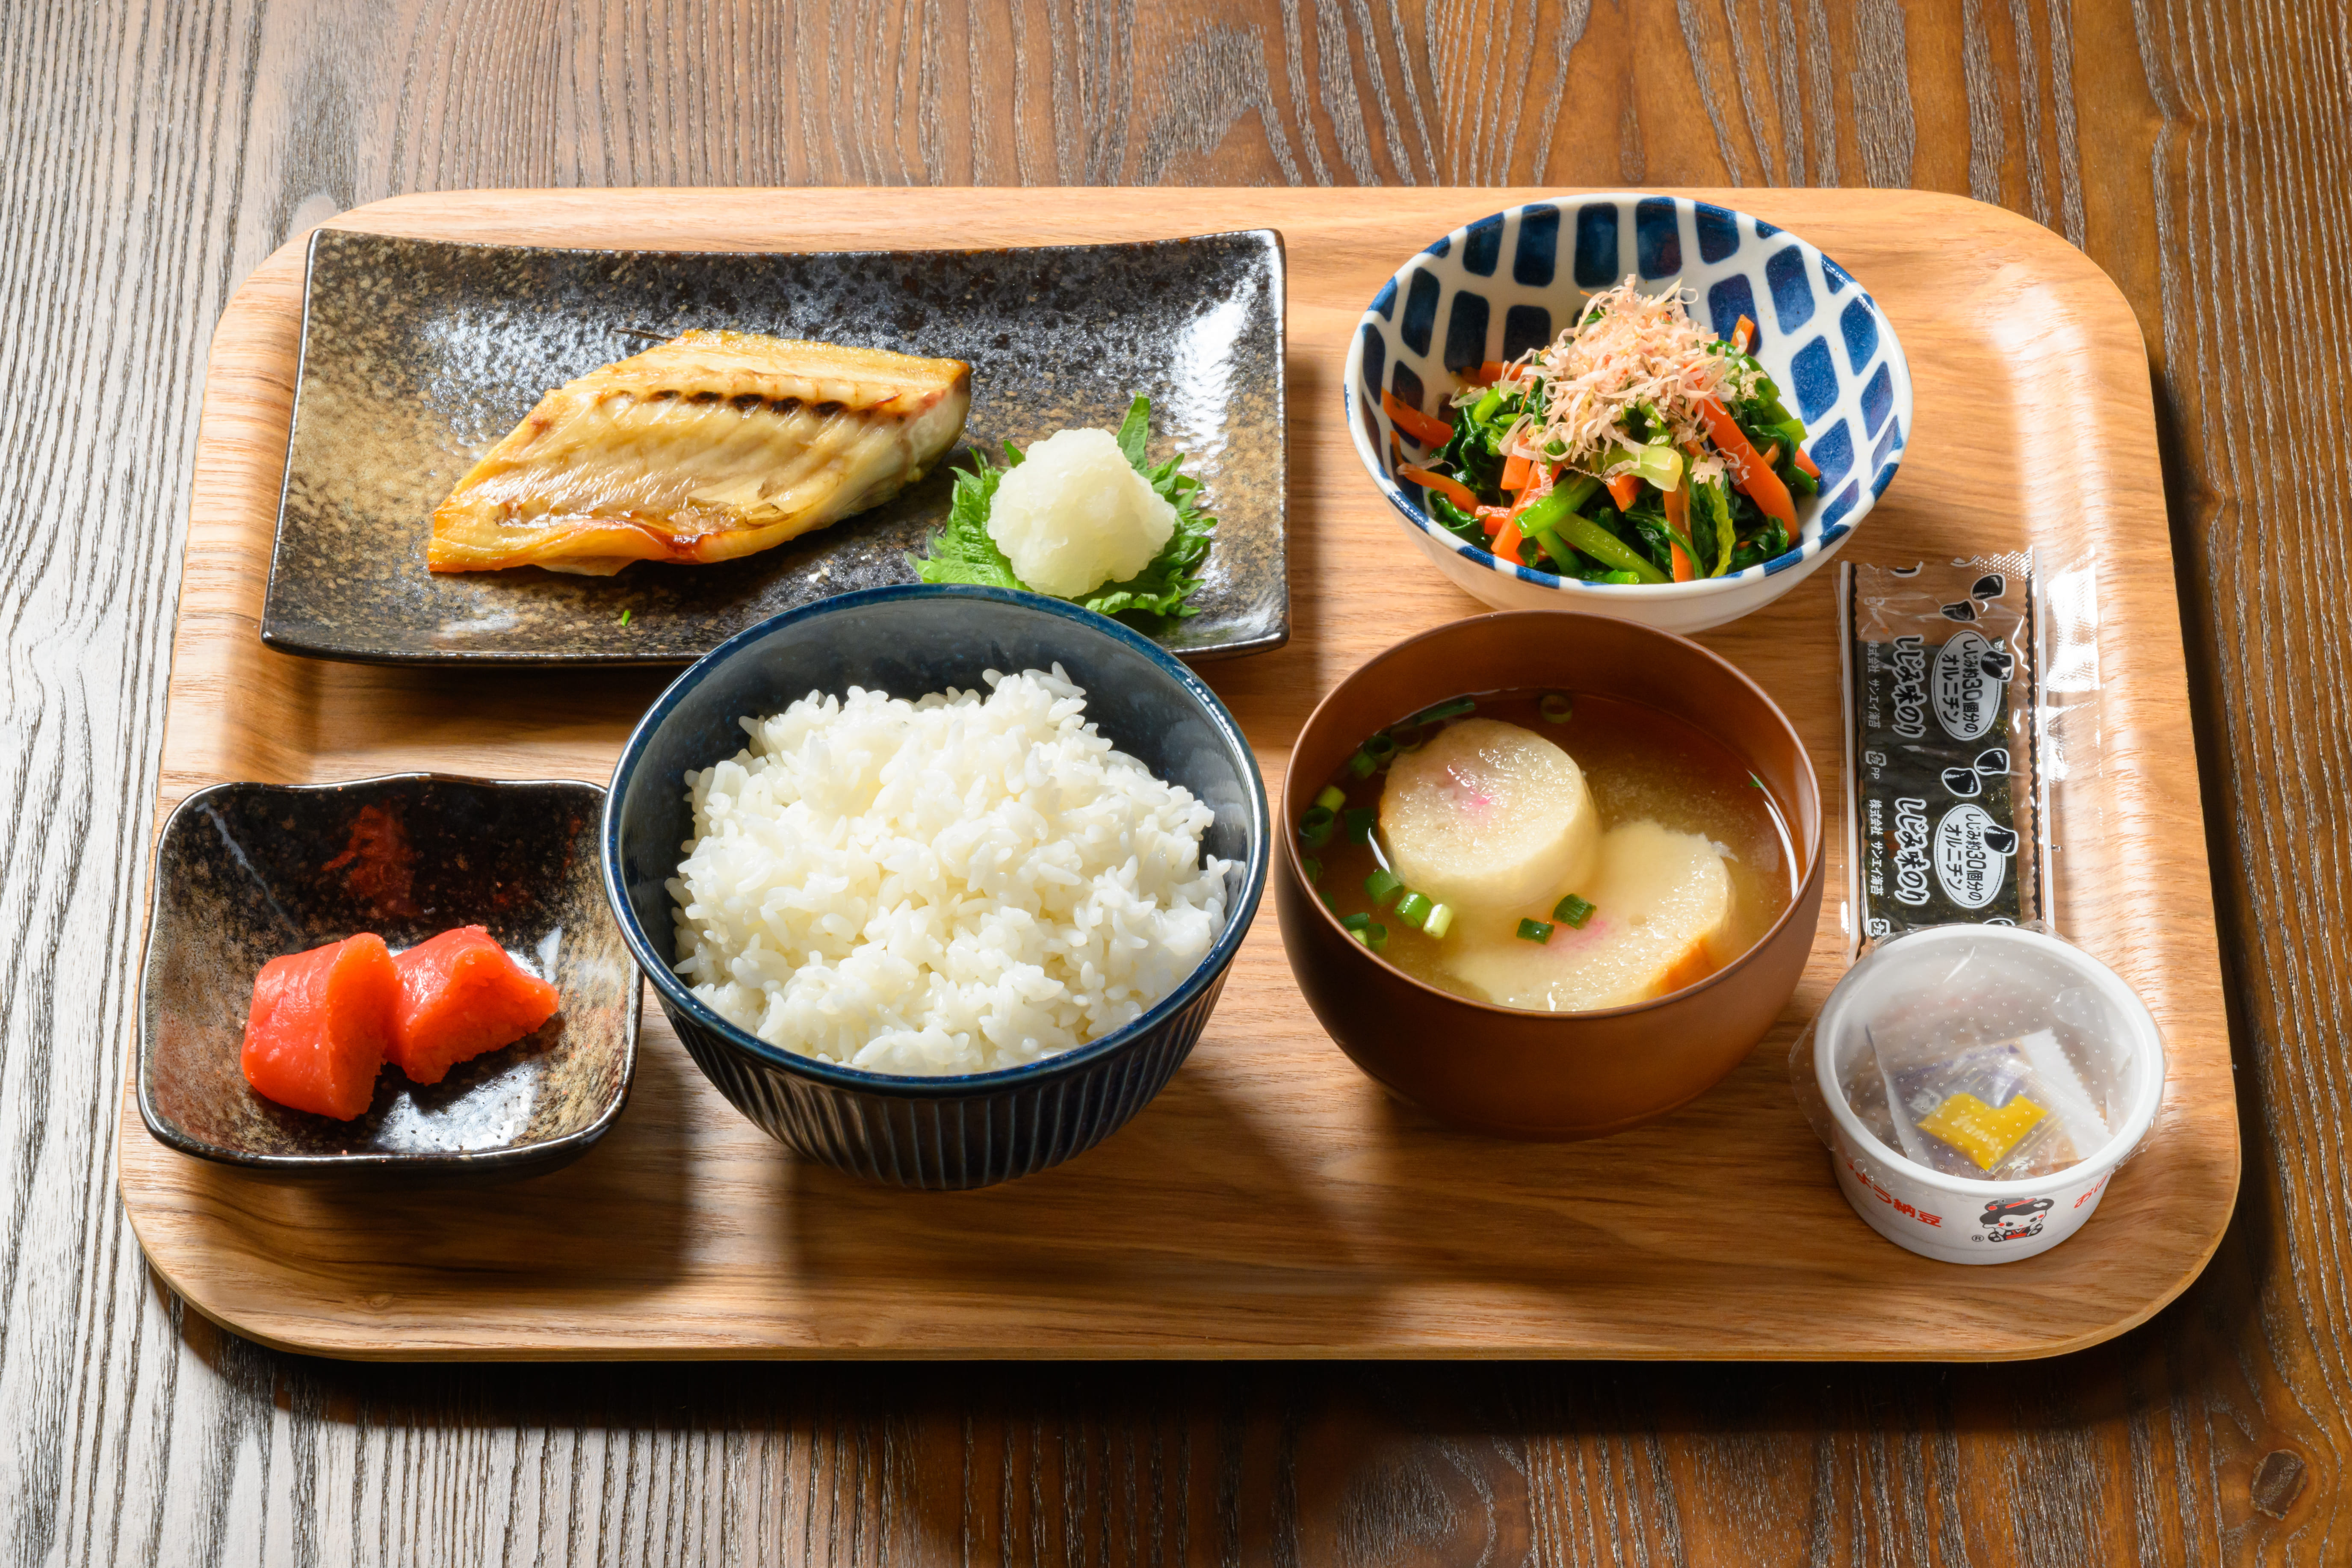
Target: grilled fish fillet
713	446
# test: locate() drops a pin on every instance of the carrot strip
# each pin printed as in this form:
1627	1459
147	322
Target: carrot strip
1754	477
1453	490
1743	334
1678	514
1504	524
1422	428
1624	490
1806	463
1539	485
1515	470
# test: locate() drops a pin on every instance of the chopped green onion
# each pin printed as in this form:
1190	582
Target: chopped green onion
625	616
1382	884
1380	749
1571	911
1440	920
1414	910
1362	765
1360	824
1313	869
1408	737
1535	932
1375	937
1315	827
1442	711
1356	921
1329	901
1557	708
1332	798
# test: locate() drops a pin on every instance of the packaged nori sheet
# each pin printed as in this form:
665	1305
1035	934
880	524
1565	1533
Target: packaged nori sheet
1939	690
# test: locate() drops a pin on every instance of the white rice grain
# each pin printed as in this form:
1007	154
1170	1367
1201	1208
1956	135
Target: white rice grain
954	885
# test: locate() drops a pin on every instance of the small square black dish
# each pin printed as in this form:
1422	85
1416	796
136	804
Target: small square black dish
419	354
246	872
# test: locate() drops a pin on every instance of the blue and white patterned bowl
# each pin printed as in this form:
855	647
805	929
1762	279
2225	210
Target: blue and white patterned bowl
1494	288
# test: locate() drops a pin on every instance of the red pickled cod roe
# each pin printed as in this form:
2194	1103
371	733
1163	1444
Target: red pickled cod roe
320	1025
459	996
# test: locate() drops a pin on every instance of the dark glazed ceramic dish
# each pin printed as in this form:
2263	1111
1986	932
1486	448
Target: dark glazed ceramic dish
417	355
974	1129
1547	1074
245	872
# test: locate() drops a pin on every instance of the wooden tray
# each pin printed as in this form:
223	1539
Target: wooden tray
1273	1202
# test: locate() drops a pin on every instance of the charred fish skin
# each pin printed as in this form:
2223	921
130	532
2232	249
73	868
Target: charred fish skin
712	445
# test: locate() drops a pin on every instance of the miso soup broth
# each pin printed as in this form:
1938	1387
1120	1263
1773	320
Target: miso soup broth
1677	863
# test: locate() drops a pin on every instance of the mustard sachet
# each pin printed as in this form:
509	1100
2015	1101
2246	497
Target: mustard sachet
1980	1131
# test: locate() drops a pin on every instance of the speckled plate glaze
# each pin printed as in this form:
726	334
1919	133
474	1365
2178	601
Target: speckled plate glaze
245	872
417	355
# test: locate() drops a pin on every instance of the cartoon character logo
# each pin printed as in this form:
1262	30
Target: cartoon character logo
2014	1219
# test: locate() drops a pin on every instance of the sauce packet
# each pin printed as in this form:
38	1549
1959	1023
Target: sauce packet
1954	738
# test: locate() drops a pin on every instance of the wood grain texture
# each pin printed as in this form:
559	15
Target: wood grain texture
160	149
1272	1201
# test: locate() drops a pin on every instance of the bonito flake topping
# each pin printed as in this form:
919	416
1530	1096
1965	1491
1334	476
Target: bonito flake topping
1627	351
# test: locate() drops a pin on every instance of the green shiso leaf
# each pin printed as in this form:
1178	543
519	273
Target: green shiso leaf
962	551
1134	430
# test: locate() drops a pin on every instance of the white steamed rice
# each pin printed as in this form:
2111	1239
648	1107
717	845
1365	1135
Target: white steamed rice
949	886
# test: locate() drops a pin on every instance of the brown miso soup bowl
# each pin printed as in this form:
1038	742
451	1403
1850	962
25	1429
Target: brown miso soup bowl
1506	1071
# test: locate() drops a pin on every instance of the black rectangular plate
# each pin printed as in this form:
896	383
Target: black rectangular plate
417	355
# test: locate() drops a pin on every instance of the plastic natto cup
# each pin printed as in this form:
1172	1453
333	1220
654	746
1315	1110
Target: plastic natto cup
2028	974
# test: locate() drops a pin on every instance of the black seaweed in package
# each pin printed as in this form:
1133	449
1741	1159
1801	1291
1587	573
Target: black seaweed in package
1939	744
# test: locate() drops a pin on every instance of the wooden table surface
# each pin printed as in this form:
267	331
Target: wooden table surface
157	150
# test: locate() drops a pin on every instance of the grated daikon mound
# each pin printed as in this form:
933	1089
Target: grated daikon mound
1073	514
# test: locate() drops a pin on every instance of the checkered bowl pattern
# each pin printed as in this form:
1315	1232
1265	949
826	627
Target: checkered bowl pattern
1494	288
